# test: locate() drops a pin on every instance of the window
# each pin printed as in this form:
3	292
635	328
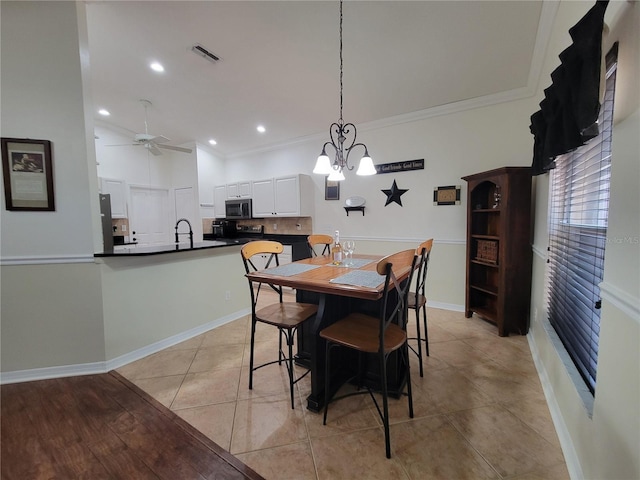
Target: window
578	213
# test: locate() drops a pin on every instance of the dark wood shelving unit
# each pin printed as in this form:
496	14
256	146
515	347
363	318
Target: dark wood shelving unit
498	280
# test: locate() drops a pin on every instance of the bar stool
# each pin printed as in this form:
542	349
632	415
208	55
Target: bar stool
319	239
418	300
285	316
380	335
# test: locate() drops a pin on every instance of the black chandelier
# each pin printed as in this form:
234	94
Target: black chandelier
338	132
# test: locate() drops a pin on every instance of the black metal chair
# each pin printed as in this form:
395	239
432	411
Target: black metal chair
286	316
418	300
319	239
379	335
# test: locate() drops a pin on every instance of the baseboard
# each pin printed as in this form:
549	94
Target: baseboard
446	306
104	367
173	340
46	373
570	455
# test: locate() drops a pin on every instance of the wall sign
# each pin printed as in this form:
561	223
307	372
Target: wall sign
396	167
446	195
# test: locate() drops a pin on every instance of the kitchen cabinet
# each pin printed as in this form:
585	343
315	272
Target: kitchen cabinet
118	191
283	197
219	197
239	190
499	255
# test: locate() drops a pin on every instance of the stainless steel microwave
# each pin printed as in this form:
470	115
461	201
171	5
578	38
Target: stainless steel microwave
238	208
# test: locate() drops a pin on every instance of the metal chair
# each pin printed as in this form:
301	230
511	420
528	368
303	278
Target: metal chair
319	239
418	300
379	335
286	316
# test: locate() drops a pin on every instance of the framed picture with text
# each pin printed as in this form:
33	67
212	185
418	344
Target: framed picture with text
28	174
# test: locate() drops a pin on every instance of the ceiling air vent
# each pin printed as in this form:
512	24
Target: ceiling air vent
203	52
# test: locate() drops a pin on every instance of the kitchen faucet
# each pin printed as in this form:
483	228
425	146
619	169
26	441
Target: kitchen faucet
190	231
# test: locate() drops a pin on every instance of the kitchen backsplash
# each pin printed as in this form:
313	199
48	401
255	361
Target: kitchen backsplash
280	225
117	224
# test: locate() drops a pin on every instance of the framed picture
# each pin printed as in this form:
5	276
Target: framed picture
449	195
331	189
28	174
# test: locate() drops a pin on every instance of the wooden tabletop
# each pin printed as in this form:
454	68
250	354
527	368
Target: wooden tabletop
318	279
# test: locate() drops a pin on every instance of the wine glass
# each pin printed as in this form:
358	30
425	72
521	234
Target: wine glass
349	247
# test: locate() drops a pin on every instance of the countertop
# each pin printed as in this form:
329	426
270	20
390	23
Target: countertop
136	251
172	248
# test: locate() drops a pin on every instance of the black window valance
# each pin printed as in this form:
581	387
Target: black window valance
568	114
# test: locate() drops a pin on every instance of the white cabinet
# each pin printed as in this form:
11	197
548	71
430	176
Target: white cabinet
219	197
239	190
117	189
263	198
290	196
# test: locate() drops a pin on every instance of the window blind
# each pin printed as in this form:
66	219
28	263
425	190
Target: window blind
578	213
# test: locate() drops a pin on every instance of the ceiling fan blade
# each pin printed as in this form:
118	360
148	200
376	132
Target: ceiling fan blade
176	149
154	150
158	139
124	145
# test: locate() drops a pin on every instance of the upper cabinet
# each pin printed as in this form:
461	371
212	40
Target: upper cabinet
283	197
117	189
219	197
239	190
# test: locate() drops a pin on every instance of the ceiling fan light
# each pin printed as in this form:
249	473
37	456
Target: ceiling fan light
336	175
366	166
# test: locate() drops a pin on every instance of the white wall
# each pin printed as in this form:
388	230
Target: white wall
211	172
604	444
51	306
41	81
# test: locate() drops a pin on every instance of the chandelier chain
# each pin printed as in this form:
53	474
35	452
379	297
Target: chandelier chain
341	120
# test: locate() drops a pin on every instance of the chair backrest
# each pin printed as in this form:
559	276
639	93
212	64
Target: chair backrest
392	267
319	239
423	252
261	247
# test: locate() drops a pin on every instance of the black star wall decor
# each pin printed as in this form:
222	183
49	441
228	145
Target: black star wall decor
394	194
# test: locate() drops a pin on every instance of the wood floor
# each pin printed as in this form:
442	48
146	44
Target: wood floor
99	427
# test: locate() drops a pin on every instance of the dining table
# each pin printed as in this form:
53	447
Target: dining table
337	289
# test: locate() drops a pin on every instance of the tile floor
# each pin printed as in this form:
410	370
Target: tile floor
479	409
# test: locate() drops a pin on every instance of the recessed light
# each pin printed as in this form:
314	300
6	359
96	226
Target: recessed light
213	142
104	111
261	129
157	67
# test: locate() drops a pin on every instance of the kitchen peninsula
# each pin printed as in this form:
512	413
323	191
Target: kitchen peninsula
171	248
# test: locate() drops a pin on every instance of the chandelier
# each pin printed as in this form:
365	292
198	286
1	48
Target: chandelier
339	133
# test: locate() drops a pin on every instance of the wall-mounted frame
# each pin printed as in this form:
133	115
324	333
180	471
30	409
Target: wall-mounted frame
331	189
28	174
449	195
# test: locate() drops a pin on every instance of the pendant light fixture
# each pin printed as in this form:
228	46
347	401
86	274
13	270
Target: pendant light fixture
338	133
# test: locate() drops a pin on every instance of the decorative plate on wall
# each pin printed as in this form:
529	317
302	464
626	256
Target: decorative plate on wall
355	201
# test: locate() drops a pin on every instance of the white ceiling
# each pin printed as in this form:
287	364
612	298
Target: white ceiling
280	63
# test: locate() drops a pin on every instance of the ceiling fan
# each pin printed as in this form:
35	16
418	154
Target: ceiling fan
153	143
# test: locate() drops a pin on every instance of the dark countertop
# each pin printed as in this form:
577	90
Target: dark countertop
172	248
184	247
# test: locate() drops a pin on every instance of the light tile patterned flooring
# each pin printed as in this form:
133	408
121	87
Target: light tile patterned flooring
479	409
